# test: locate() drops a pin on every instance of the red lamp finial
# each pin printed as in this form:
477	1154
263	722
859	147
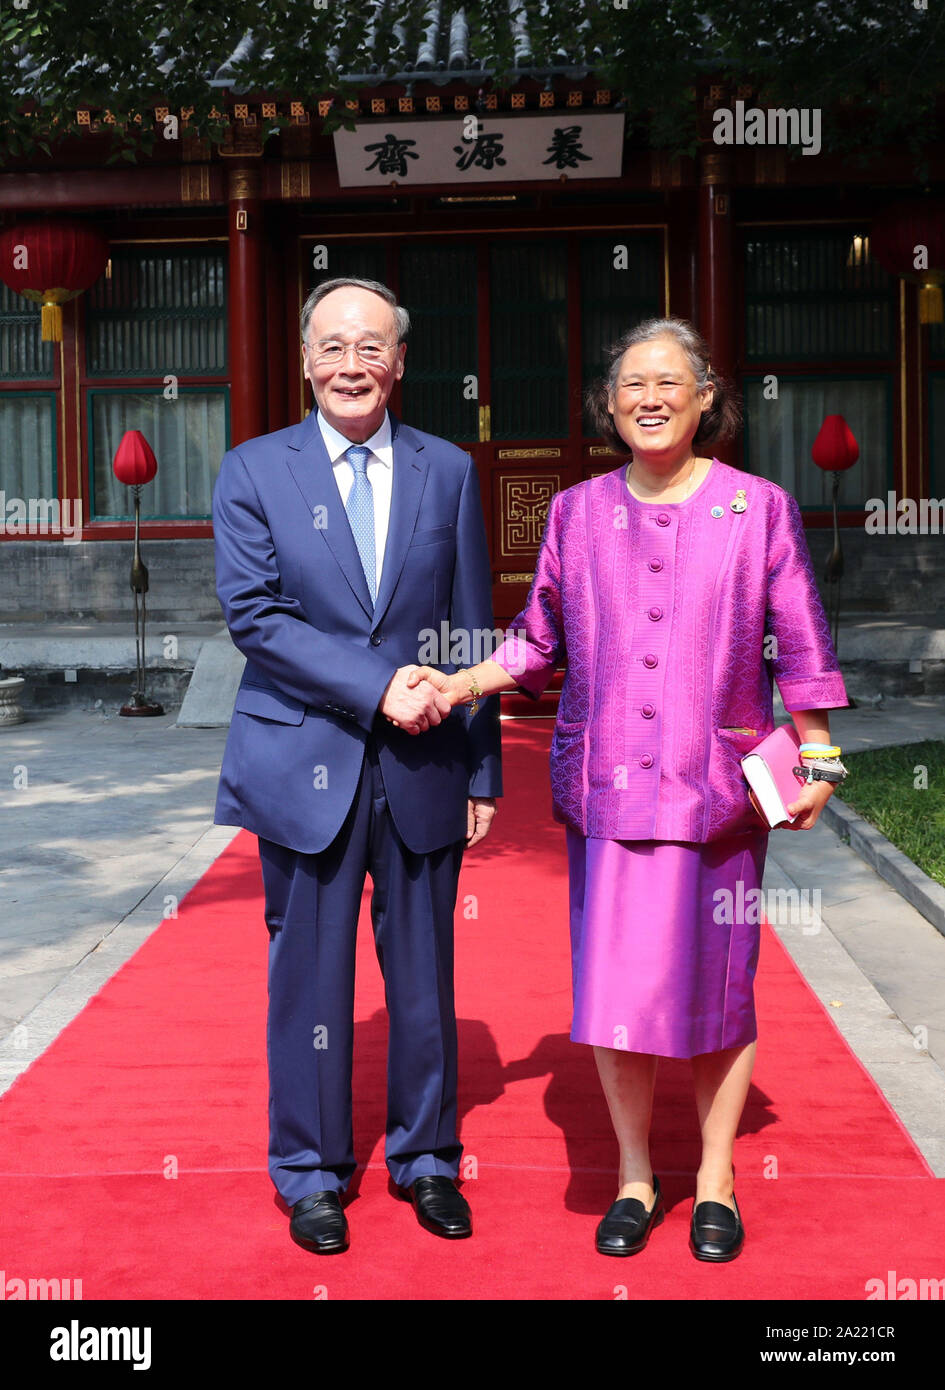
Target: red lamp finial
134	463
835	448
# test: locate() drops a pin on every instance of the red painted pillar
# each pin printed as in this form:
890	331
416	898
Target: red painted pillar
717	308
246	296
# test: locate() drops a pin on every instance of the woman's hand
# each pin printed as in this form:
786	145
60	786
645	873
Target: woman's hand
448	686
811	800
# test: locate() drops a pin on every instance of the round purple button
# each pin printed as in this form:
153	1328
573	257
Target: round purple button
648	711
655	613
662	519
651	660
656	565
646	760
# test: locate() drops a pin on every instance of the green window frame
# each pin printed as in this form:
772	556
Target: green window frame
16	483
816	493
100	477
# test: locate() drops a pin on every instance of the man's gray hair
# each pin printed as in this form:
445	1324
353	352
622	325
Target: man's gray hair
401	317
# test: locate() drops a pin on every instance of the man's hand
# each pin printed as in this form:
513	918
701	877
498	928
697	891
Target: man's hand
445	684
811	800
413	708
481	810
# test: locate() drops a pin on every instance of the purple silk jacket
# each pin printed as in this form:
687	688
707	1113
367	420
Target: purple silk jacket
673	618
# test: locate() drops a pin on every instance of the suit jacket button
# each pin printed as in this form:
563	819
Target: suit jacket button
648	711
646	760
651	660
376	639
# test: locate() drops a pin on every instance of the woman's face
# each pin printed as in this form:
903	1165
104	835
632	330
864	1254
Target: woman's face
655	404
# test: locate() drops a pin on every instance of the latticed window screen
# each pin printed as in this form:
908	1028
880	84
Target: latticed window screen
27	443
23	354
529	340
440	387
365	260
816	294
621	283
161	313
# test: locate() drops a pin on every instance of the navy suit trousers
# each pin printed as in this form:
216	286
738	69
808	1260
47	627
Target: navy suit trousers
312	906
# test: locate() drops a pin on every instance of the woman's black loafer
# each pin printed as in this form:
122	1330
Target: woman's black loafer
627	1225
716	1232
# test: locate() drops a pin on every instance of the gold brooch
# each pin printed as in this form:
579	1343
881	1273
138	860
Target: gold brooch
738	503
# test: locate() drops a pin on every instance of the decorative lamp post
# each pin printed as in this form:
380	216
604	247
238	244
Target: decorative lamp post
50	263
134	465
908	239
835	450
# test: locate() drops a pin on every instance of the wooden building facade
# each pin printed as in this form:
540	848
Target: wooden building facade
515	287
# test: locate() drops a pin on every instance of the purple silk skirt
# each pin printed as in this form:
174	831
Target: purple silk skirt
660	962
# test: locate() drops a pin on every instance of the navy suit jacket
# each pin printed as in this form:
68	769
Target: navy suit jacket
319	657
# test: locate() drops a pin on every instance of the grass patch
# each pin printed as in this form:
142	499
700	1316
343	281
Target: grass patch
886	787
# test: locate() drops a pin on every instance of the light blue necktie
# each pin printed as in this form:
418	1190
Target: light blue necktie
360	509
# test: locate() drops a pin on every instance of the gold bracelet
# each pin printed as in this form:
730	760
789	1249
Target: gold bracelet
474	690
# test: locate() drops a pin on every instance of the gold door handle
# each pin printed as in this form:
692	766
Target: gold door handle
485	423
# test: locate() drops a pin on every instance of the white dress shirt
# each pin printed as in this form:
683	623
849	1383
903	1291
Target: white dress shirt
380	472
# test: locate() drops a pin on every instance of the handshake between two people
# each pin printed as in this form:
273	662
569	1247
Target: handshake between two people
419	697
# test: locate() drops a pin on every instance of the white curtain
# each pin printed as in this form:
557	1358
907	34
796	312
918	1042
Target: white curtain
27	446
780	434
188	436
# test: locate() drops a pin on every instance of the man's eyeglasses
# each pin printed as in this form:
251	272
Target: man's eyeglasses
368	352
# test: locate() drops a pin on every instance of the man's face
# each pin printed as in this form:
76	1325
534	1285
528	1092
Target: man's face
352	393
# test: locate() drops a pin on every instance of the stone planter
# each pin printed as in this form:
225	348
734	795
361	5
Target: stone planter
10	689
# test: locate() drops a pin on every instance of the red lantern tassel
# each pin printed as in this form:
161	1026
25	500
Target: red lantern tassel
51	323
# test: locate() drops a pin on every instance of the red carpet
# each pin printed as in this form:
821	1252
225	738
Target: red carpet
132	1153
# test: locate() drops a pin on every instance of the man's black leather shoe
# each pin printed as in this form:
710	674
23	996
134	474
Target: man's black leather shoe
716	1232
319	1224
626	1227
440	1206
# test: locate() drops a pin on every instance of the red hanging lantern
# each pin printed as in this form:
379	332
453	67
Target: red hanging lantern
908	239
50	263
835	449
134	463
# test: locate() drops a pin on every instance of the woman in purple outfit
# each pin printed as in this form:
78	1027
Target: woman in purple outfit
674	588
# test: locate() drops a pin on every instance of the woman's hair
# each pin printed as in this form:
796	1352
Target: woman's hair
720	421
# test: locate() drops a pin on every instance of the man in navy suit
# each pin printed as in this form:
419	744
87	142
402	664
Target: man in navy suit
340	543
